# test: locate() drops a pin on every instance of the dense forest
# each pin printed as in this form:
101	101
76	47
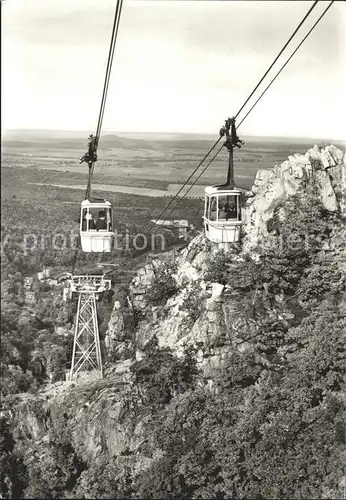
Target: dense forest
39	229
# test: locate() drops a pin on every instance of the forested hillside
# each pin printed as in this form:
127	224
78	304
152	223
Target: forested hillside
40	230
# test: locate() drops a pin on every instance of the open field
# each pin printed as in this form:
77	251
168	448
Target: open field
149	163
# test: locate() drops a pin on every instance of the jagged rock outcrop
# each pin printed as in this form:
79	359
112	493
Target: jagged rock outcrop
120	333
97	414
213	329
115	335
325	168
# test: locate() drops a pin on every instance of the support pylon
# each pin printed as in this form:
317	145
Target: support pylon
86	353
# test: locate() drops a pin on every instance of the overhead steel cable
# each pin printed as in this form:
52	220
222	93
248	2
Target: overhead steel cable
288	60
179	200
265	90
279	54
261	80
109	64
219	150
185	183
105	87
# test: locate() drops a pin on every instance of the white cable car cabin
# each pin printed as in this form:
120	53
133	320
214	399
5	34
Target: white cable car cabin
96	226
222	214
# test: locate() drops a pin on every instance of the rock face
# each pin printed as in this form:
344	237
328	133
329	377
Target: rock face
198	315
119	335
95	413
325	168
193	259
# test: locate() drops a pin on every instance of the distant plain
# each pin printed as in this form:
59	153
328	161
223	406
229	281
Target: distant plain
138	164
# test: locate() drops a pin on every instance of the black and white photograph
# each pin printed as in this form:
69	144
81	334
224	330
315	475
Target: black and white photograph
173	249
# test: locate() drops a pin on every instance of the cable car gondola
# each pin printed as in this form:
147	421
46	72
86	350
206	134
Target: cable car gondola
222	214
222	209
96	232
96	226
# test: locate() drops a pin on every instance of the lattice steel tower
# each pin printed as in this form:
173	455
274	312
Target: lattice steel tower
86	353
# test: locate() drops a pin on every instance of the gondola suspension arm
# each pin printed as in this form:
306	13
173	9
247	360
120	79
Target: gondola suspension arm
232	141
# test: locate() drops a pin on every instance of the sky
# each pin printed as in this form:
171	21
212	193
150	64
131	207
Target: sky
179	66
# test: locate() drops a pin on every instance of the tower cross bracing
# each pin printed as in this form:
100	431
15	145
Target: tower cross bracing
86	354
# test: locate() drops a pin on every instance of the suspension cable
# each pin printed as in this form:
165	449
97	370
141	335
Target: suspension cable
105	87
195	170
272	81
185	183
288	60
109	64
179	200
279	54
219	150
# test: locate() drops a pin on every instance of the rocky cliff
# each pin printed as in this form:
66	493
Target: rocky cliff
211	324
322	167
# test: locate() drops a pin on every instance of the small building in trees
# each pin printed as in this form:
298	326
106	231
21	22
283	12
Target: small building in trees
43	275
181	226
28	282
30	297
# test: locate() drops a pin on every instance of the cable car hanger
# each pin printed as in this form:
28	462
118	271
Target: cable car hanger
222	207
232	141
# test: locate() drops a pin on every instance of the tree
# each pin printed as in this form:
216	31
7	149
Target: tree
321	278
160	375
217	268
163	286
12	469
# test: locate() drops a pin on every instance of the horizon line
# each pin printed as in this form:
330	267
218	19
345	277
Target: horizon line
112	131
